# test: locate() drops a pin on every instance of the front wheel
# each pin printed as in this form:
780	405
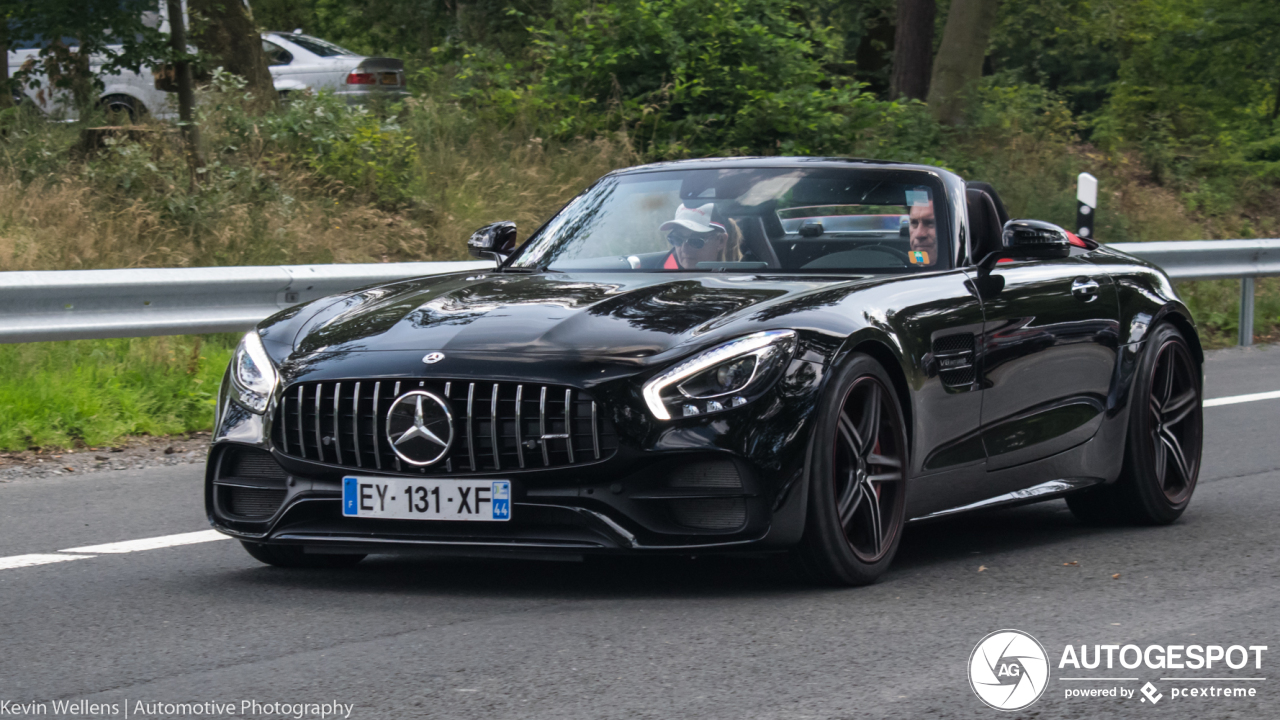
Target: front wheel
857	479
1162	450
292	556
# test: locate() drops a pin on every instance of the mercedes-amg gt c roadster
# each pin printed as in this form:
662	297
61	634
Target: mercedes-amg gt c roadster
792	355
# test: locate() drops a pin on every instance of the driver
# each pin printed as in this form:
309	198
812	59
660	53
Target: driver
694	237
924	234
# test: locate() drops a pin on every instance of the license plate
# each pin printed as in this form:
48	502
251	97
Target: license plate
410	499
390	79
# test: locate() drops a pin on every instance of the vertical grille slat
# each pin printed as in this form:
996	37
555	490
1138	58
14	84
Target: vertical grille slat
471	441
377	454
519	430
595	431
319	442
341	422
568	422
493	428
337	421
302	442
542	426
355	424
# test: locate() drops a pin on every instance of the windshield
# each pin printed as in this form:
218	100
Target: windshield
818	220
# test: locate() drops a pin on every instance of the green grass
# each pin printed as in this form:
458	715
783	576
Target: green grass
1215	304
93	392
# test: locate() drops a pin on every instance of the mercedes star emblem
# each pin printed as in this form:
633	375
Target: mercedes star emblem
432	358
420	428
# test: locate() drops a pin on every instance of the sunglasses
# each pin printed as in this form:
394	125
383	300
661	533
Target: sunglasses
693	241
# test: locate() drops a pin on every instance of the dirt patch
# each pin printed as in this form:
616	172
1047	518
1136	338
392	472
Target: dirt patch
131	453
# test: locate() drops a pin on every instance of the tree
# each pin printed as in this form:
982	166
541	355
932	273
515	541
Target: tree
6	92
958	64
224	32
186	86
913	49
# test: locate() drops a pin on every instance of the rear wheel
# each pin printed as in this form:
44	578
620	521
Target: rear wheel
292	556
1162	452
857	479
121	106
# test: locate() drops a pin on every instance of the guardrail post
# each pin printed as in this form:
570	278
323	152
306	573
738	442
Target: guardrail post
1086	205
1246	311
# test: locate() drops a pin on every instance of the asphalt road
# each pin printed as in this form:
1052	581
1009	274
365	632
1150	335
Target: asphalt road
705	638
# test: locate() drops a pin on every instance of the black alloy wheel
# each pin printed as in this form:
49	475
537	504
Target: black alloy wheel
1175	422
858	472
1166	433
293	556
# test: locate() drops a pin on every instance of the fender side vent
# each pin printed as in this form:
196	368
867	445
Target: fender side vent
953	359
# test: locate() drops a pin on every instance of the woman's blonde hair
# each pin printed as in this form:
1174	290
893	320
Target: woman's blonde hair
733	244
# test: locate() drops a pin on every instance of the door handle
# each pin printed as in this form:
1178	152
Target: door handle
1085	289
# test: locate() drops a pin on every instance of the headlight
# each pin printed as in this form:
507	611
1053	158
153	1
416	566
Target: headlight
721	378
253	377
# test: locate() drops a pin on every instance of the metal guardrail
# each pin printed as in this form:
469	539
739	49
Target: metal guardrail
1215	260
84	304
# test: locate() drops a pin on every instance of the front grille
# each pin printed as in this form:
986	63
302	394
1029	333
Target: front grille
496	426
254	503
953	355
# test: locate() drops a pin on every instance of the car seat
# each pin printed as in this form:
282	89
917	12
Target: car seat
987	217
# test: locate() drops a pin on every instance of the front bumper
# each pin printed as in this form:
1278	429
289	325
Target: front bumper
724	482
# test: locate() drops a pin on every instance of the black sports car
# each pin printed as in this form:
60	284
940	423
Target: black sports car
764	354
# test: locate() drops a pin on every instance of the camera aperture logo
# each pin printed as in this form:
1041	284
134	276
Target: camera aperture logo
1008	670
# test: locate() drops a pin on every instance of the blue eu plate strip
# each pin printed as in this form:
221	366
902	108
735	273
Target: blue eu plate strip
501	499
349	496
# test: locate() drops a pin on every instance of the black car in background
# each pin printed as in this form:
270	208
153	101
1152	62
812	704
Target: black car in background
797	355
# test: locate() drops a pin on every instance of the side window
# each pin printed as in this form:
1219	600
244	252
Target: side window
276	55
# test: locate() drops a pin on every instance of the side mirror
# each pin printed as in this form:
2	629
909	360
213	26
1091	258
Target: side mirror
493	241
1029	240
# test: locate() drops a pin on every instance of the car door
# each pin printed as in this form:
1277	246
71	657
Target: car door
939	321
1050	347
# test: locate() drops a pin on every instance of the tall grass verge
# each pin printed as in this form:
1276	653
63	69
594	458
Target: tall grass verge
91	392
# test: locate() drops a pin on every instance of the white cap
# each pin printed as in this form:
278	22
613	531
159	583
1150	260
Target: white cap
696	219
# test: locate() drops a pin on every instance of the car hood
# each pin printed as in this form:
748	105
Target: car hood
567	315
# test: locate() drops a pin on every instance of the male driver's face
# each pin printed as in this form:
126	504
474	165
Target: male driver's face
924	232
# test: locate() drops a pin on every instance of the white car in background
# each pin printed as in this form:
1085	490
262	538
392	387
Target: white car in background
298	63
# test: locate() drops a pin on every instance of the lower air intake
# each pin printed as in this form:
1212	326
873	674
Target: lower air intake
708	474
711	513
254	503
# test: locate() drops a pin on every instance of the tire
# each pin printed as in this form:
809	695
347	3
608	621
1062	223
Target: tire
121	105
1163	444
857	479
292	556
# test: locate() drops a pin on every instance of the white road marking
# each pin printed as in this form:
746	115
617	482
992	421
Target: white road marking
150	543
1242	399
21	561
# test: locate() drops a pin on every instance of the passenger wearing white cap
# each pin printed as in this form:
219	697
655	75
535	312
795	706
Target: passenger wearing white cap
694	237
